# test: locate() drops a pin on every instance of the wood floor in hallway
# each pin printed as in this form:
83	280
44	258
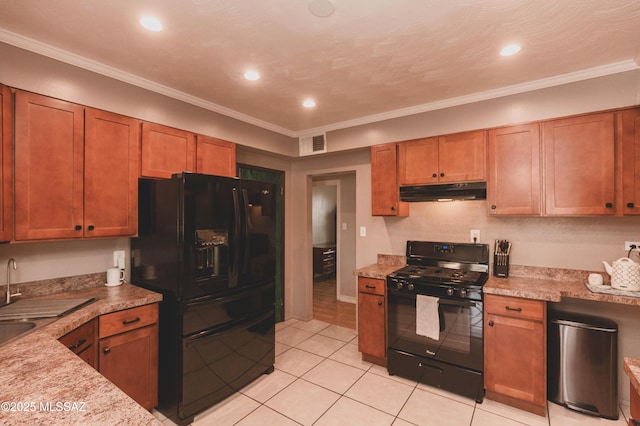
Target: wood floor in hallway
326	306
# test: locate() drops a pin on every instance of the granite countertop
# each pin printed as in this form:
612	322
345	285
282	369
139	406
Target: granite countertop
43	382
386	264
632	368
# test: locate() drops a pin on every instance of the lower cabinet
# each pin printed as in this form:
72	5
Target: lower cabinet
82	342
128	352
123	347
515	354
372	320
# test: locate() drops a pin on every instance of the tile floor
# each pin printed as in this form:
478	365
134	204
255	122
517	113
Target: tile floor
320	379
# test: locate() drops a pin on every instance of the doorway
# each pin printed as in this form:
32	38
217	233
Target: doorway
333	237
275	177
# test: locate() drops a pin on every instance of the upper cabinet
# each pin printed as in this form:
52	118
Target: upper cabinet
458	157
111	173
579	165
165	151
49	149
514	170
215	156
69	186
384	182
6	193
629	157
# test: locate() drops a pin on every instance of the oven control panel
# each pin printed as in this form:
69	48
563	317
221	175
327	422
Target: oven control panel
444	248
399	285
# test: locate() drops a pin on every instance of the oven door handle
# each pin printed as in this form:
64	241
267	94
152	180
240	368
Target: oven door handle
464	303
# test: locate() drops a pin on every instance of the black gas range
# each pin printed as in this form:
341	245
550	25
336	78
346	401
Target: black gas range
449	277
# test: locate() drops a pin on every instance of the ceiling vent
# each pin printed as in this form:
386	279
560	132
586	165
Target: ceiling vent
310	145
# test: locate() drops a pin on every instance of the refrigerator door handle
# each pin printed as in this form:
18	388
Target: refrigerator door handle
236	241
246	232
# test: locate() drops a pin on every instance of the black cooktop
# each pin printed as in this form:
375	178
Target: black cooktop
441	275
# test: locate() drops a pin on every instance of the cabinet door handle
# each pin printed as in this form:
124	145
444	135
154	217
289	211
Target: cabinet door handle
434	175
630	205
491	323
78	227
493	207
379	302
127	322
106	351
91	227
442	174
513	309
77	345
393	208
609	205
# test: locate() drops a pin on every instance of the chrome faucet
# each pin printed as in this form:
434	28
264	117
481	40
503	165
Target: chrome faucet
11	261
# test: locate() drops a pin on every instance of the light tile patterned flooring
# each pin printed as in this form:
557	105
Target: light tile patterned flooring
320	379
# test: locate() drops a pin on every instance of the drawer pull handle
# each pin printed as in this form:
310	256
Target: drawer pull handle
133	321
491	323
106	351
513	309
77	345
379	303
369	286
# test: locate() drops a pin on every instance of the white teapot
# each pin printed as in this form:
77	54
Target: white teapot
625	274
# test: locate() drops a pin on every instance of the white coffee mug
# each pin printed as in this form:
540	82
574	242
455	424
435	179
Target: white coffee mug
115	276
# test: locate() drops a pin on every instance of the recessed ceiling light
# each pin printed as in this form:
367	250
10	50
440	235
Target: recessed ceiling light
251	75
309	103
510	49
321	8
151	23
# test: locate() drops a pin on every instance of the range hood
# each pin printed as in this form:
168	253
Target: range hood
444	192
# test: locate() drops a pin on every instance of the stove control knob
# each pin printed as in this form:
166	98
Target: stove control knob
449	292
410	287
399	285
463	292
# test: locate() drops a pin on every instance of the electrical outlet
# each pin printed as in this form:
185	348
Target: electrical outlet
474	236
118	259
628	244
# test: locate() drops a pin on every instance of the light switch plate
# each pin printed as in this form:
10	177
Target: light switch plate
363	231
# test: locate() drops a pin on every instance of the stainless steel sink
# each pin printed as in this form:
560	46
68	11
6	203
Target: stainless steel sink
11	329
47	308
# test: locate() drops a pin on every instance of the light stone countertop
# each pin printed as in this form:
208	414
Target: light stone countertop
632	368
36	369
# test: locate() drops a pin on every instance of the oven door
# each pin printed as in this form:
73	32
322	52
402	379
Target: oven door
461	337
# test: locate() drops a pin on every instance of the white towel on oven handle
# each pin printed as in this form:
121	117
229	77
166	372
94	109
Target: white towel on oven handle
427	318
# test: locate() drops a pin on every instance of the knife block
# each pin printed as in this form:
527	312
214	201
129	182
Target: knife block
501	265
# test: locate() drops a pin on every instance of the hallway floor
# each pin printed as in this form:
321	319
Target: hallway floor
326	306
320	379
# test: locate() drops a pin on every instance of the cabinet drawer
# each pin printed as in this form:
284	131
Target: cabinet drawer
515	307
81	338
129	319
371	285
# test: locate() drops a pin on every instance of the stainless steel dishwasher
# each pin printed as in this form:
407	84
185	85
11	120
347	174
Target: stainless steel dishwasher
582	353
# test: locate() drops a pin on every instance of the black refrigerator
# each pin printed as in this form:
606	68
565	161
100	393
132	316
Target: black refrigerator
207	243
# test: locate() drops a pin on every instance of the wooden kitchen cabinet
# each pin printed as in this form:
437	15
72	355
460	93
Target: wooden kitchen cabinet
128	352
579	165
372	320
165	151
110	174
6	160
515	353
629	158
82	341
384	182
459	157
75	177
49	167
514	179
215	156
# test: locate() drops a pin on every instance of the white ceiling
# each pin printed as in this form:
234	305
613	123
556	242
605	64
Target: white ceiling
369	60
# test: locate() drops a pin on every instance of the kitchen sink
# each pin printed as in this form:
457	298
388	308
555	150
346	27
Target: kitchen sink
11	329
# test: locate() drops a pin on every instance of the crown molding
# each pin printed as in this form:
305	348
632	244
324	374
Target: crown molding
108	71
